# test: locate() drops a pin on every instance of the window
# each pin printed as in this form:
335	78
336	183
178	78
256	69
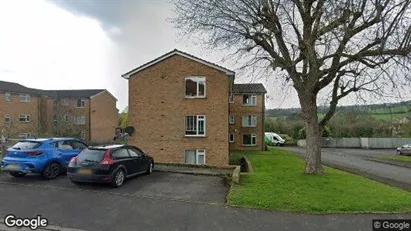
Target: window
64	102
24	135
7	96
195	87
55	102
135	152
231	99
249	139
195	125
7	119
249	100
121	153
82	134
80	120
78	145
54	117
194	156
24	118
65	118
26	145
25	98
80	103
249	121
231	138
231	119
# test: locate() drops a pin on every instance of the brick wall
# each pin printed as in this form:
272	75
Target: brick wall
238	110
157	110
104	117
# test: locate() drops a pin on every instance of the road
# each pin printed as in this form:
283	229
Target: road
161	201
357	161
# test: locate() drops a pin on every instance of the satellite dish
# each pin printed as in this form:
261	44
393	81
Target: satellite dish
129	130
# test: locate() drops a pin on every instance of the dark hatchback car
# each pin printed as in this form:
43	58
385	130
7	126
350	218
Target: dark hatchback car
109	164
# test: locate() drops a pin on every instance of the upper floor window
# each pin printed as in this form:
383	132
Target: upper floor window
195	87
195	125
7	119
249	100
64	102
80	120
231	98
249	121
80	103
231	119
25	98
7	96
24	118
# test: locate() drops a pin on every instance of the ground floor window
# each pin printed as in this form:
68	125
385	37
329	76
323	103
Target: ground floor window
82	134
250	139
195	156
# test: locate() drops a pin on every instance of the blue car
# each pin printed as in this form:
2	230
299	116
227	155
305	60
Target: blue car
48	157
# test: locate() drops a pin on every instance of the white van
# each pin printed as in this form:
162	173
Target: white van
274	139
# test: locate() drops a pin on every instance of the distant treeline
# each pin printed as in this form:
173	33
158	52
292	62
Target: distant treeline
392	108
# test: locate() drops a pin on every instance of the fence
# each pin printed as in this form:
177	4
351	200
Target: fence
383	143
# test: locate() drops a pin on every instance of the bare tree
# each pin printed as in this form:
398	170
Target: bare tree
338	46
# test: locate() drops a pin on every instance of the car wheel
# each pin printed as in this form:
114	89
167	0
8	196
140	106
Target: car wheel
17	174
399	152
51	171
150	167
118	178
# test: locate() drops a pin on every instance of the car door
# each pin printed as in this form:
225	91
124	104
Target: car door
65	151
139	159
407	149
122	157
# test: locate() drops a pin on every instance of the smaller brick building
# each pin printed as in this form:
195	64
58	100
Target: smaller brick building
91	115
180	106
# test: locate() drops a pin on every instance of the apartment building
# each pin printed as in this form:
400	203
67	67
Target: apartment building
180	108
87	114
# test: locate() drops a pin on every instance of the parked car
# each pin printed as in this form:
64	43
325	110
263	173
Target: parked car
404	150
48	157
272	138
111	164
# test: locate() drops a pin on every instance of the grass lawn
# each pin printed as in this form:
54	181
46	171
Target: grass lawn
398	158
278	183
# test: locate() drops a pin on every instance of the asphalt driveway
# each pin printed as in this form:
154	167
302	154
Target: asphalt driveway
161	201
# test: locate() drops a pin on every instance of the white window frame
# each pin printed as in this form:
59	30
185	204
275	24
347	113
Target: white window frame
82	134
229	138
55	117
198	152
231	98
25	98
82	120
24	135
26	116
64	102
7	117
252	136
65	118
253	100
7	96
231	119
250	119
82	103
197	79
198	119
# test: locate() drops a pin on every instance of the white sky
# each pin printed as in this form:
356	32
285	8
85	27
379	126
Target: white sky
88	44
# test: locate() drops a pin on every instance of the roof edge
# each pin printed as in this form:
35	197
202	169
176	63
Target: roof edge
128	74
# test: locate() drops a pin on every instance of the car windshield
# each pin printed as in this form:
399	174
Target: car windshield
91	155
25	145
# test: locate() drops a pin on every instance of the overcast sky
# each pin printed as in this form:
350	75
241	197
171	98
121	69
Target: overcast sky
83	44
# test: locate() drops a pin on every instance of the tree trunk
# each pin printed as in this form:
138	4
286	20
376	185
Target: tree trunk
313	133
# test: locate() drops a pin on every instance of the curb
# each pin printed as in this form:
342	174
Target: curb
47	228
392	162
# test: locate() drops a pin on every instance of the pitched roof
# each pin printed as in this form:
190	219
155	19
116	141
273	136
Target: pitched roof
176	52
249	88
18	88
